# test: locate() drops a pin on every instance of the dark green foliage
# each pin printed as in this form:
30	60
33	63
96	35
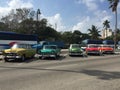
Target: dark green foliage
94	32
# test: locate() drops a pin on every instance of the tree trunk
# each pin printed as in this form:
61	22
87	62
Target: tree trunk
115	37
106	32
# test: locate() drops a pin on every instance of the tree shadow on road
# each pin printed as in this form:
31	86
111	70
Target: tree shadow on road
104	75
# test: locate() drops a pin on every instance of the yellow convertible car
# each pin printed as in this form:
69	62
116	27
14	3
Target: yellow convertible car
19	51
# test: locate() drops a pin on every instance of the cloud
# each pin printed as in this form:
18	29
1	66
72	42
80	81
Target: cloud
118	15
82	25
102	15
118	8
56	22
19	4
99	16
97	20
91	4
13	4
102	0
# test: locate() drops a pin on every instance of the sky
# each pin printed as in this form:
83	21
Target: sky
67	15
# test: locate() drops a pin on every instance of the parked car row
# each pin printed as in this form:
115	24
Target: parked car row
76	49
22	51
99	49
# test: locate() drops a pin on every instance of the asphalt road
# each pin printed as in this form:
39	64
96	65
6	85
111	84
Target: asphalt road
66	73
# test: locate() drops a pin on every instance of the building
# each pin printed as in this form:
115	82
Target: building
106	33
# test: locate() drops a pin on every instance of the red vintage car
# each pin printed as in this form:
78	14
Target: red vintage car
107	49
93	49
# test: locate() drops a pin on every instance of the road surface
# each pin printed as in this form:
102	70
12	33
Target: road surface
66	73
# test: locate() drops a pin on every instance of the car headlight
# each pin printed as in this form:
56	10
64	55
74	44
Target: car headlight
1	53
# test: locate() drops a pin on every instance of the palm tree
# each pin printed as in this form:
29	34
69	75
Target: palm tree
113	6
106	25
94	33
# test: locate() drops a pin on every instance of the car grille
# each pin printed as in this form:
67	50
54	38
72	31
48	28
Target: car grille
46	53
76	52
10	54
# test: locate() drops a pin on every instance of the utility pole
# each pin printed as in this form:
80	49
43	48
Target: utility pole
38	13
37	19
37	22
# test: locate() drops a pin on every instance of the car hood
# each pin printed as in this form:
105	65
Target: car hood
76	49
107	48
48	50
92	49
13	50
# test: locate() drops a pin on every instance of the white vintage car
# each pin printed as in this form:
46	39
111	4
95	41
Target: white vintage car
118	47
1	55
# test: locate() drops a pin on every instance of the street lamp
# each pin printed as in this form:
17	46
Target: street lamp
38	13
37	16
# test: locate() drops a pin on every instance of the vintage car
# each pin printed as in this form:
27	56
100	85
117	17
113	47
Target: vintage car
1	55
118	47
75	49
49	51
107	49
93	49
19	51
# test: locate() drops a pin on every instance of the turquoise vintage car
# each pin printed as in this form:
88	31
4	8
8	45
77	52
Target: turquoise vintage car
49	51
75	49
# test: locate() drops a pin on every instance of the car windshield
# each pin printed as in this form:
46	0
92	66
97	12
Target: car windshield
76	46
107	46
14	46
50	47
20	46
93	46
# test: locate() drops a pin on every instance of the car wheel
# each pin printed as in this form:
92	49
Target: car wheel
6	60
101	54
23	58
42	57
55	57
85	55
70	55
32	56
39	57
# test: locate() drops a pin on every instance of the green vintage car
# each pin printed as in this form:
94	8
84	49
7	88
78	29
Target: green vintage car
49	51
19	51
75	49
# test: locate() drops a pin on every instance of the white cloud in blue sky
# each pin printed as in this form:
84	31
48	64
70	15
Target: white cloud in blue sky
67	15
91	4
19	4
102	0
56	22
13	4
